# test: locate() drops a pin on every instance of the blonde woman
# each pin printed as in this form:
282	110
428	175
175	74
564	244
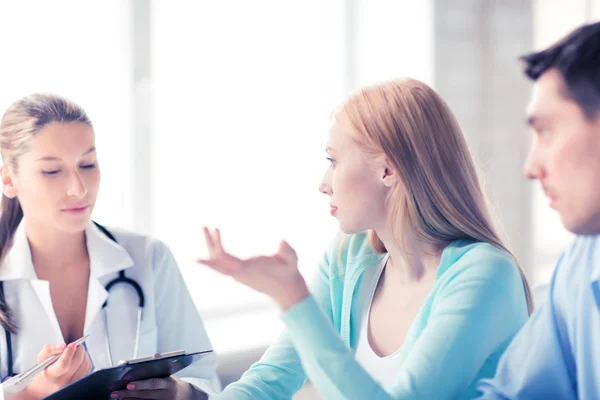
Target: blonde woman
420	298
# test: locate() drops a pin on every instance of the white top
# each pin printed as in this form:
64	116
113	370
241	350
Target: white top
383	369
170	320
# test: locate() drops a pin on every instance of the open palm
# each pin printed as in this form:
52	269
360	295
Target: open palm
276	275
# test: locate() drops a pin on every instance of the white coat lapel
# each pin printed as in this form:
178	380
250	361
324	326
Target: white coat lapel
17	265
106	258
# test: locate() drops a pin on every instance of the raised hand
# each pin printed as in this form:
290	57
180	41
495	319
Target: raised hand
276	275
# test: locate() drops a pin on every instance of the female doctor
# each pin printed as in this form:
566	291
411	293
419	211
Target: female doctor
62	276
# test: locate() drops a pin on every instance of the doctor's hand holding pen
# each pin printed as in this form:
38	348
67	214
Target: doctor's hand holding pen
276	275
72	365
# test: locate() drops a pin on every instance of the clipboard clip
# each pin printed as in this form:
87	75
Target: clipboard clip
157	356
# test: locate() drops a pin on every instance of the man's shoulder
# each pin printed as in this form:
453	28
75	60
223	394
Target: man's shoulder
579	263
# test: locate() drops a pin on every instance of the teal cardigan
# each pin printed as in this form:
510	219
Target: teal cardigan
475	307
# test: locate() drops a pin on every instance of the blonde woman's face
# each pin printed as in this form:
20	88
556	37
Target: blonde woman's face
57	178
355	184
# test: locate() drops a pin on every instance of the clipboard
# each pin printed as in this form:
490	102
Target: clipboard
100	384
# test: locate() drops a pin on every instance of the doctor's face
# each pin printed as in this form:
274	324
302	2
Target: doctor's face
57	178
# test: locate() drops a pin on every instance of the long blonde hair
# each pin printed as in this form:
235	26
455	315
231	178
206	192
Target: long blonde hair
439	196
20	123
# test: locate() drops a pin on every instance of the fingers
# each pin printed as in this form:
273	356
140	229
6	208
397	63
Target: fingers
84	370
224	263
217	240
225	266
219	259
287	252
79	356
62	366
150	384
213	241
50	350
208	263
208	237
155	388
137	395
81	364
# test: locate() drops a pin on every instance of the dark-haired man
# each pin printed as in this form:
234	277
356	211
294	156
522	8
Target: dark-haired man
557	353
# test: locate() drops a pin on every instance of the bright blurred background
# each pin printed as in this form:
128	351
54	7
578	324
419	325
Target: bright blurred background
216	113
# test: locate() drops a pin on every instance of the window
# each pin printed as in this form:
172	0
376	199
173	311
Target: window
239	126
77	50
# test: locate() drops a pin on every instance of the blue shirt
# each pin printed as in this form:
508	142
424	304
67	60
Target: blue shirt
475	307
557	354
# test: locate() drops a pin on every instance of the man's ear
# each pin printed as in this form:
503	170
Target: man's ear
8	187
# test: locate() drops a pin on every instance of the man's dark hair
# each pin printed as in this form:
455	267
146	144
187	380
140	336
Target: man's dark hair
577	59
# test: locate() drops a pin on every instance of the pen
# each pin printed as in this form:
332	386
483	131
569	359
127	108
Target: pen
43	365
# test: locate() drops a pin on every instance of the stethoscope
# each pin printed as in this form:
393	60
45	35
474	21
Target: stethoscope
121	279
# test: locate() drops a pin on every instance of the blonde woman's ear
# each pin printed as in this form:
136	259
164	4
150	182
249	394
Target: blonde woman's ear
390	176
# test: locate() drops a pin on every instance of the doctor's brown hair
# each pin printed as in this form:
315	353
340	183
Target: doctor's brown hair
20	123
439	197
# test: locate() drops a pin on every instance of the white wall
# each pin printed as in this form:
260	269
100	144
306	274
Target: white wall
78	50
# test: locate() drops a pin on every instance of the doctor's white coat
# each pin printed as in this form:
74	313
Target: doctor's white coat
170	320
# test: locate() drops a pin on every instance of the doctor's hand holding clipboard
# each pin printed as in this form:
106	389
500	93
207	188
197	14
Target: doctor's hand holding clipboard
63	276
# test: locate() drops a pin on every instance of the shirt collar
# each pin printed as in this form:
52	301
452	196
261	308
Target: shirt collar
106	256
